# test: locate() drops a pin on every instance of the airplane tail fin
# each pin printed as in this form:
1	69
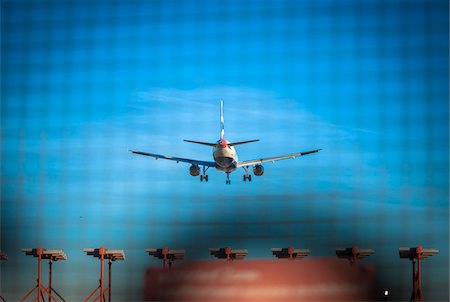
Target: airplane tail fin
222	122
222	134
222	129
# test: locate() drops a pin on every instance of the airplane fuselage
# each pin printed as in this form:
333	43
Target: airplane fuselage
225	156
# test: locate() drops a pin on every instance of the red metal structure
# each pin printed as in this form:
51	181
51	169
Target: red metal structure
3	257
353	253
416	254
290	253
228	253
102	254
166	255
52	255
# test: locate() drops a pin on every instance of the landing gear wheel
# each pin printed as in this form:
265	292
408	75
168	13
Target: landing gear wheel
203	174
228	178
245	177
249	178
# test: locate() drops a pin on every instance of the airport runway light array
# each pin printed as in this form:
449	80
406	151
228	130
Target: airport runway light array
166	254
103	253
412	253
54	255
416	254
51	255
228	253
113	255
353	253
290	253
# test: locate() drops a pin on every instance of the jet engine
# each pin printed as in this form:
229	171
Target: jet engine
194	170
258	170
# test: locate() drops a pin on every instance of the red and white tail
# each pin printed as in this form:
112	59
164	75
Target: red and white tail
222	134
222	122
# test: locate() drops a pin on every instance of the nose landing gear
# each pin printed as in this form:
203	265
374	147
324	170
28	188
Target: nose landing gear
228	182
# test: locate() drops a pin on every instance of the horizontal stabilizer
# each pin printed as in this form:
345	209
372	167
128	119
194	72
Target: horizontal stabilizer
201	143
241	143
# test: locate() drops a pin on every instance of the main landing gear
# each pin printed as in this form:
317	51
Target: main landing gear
246	175
228	179
204	176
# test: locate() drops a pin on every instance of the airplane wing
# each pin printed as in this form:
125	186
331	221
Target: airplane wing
177	159
275	158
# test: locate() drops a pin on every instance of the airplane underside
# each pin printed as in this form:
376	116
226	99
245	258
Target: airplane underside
227	165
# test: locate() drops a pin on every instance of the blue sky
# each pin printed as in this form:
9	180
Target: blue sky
83	81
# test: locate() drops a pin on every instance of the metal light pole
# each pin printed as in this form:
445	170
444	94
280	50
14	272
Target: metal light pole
416	254
52	255
3	257
102	253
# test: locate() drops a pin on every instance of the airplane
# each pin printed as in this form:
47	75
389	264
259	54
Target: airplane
225	157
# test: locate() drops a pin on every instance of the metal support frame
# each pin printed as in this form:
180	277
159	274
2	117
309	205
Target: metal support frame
102	254
228	253
416	294
3	257
416	255
52	255
50	287
100	286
